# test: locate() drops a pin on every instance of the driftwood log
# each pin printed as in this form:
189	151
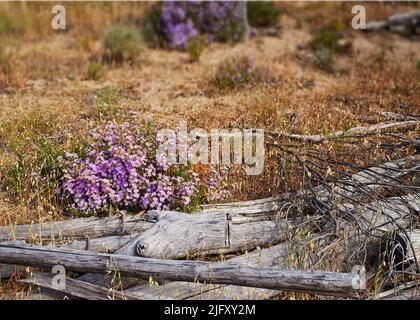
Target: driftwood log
403	126
319	282
82	228
106	244
78	289
177	235
410	18
274	257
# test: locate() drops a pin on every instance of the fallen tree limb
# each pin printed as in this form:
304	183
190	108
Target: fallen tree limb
106	244
405	248
405	19
324	283
273	257
77	288
176	235
379	128
82	228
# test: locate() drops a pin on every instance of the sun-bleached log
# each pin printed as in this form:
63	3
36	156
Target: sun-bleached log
398	19
273	257
319	282
177	235
77	288
106	244
403	126
81	228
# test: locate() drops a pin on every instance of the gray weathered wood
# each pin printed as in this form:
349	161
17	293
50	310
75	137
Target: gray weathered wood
82	228
403	126
319	282
106	244
177	235
77	288
406	18
273	257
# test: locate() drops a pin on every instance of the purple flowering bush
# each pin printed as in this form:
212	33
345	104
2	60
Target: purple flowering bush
119	168
172	24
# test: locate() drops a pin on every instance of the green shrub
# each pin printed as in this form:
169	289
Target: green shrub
6	25
195	48
324	59
326	43
107	98
234	73
152	31
94	71
5	60
34	170
262	14
327	39
122	43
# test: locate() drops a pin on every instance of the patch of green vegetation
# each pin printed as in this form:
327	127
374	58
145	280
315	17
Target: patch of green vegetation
326	43
349	125
6	25
94	71
263	14
34	169
418	65
5	59
195	48
107	98
152	31
122	43
234	73
327	39
324	59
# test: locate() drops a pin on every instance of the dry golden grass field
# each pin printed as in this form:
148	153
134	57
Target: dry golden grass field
48	99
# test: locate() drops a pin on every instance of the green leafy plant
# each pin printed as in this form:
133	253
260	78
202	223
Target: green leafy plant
94	71
107	98
324	59
34	171
122	43
262	14
195	48
234	73
326	43
6	25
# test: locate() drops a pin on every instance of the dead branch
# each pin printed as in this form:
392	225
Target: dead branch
325	283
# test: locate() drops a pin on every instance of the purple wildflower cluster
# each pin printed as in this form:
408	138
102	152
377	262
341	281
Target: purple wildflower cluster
120	168
181	21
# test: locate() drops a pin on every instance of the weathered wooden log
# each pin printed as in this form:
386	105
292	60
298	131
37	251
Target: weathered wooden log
106	244
404	249
176	235
398	19
397	116
403	126
77	288
323	283
251	210
273	257
406	291
372	180
7	271
82	228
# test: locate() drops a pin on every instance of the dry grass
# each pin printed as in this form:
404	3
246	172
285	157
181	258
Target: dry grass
44	93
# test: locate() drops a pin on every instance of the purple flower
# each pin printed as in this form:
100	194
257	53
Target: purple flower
120	169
